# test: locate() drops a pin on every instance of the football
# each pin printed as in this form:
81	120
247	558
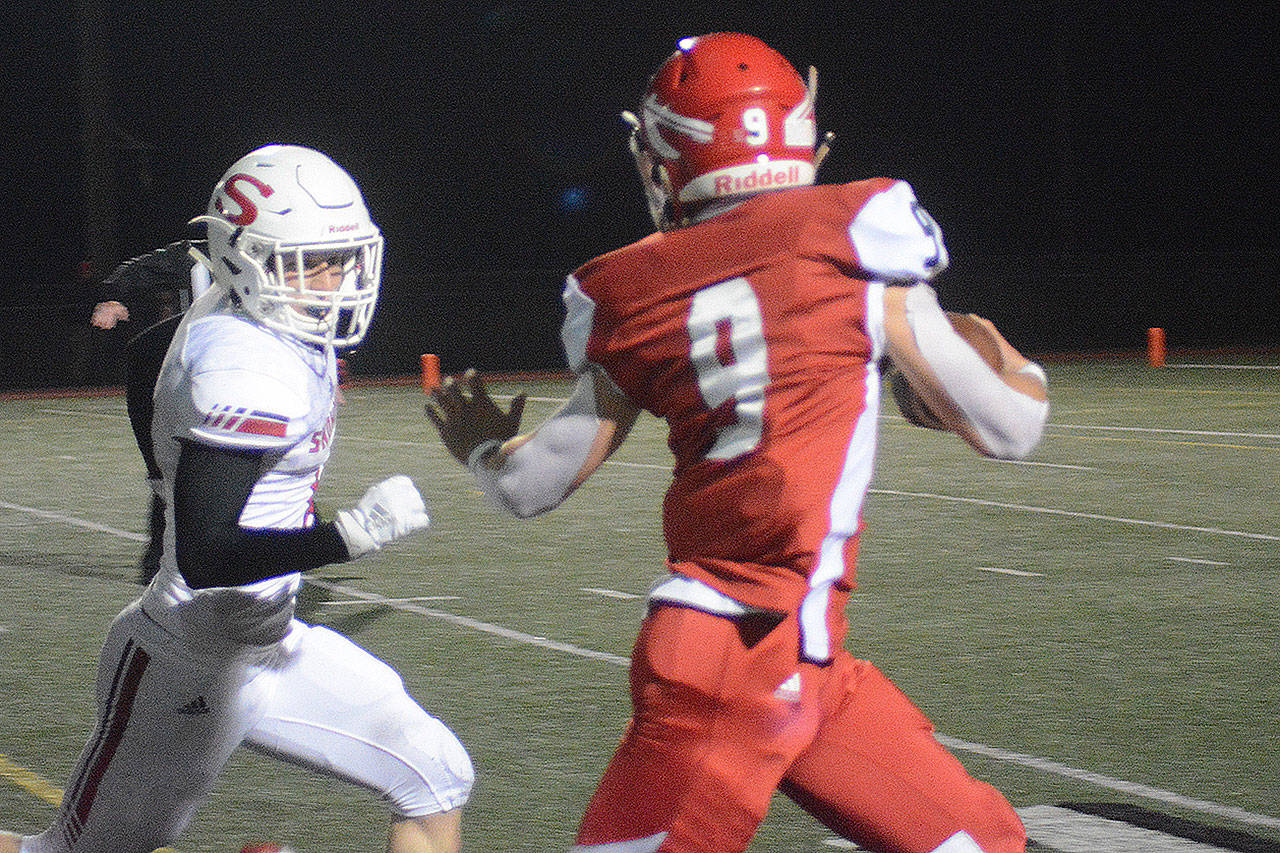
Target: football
978	336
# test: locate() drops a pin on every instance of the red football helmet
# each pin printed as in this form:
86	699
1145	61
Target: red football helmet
725	115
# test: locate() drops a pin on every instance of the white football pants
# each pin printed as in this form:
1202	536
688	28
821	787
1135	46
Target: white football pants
169	718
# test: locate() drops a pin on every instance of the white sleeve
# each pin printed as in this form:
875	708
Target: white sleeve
1007	423
896	239
541	473
579	314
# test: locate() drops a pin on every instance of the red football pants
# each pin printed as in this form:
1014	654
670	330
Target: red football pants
717	728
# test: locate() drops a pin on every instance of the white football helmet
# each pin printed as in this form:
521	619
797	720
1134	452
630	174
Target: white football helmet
290	236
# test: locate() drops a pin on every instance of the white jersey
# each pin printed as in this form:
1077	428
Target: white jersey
230	383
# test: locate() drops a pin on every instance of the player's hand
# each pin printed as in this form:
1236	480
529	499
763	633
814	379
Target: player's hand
389	510
107	314
467	417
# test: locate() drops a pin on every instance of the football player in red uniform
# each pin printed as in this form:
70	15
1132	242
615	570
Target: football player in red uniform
756	321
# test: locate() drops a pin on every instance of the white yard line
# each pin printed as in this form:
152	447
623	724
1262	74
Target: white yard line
1201	433
389	600
557	400
1016	572
73	521
1137	789
1044	765
610	593
1163	525
1038	464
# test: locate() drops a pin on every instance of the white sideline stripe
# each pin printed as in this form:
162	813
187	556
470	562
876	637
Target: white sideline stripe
100	415
1033	762
1196	561
1158	430
1020	574
1135	788
1042	764
1231	366
1164	525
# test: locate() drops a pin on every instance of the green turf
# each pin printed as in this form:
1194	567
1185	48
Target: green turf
1112	654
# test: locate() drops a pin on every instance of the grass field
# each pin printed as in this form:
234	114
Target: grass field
1098	626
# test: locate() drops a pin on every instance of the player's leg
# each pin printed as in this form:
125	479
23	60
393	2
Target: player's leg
340	710
875	774
166	727
437	833
710	736
144	356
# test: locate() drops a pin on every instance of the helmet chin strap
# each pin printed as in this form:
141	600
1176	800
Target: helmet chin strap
823	149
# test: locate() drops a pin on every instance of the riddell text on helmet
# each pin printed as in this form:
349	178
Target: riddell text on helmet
759	179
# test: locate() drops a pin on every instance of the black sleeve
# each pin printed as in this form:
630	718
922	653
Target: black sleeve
141	278
143	357
210	490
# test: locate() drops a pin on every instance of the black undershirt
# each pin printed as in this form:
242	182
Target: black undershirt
210	490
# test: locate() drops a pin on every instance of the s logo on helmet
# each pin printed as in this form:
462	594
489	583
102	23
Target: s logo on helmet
248	210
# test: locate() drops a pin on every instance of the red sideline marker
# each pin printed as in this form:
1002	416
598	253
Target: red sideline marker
430	372
1155	347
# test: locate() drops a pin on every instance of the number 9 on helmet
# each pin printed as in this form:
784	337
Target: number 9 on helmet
290	237
724	116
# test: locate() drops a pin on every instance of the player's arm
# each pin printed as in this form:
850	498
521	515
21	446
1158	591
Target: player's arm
166	268
1000	410
212	486
531	473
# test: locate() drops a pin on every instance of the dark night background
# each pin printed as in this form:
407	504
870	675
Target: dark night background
1097	168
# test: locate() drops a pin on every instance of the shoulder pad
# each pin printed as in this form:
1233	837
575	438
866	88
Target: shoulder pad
249	388
895	238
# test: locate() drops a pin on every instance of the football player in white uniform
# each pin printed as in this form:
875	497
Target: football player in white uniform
211	656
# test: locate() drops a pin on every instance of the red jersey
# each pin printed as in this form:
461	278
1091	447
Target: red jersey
756	334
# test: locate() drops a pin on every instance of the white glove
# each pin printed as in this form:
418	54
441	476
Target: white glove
389	510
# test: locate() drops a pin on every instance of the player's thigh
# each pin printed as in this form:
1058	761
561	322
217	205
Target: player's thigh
875	773
708	739
166	727
340	710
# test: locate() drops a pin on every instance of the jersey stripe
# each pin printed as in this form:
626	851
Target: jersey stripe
847	498
115	720
845	511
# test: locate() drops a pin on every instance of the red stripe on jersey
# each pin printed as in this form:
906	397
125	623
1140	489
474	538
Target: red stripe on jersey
262	426
117	720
